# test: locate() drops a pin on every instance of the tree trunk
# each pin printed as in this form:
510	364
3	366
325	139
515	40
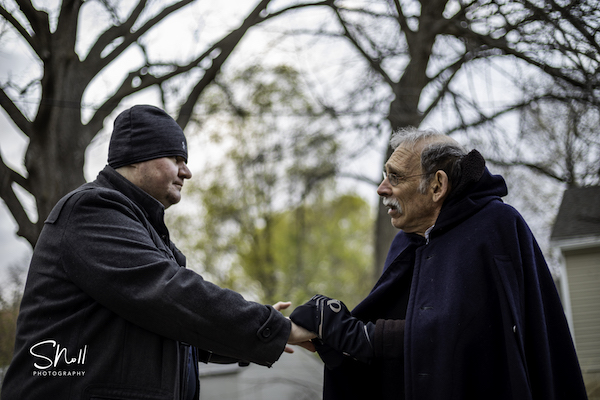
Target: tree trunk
404	112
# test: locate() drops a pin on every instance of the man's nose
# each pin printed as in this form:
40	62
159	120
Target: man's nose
384	189
184	172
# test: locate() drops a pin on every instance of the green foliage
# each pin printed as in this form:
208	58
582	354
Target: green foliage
268	221
8	328
10	300
323	245
319	247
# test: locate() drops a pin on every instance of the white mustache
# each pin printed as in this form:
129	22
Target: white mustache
392	203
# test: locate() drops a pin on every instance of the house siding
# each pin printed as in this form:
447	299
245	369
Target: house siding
583	268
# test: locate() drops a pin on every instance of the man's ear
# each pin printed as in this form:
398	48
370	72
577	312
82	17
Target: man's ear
440	187
128	171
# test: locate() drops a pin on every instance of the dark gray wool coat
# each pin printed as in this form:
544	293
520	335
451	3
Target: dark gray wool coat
109	311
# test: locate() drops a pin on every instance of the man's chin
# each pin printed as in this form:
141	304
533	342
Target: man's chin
173	199
396	223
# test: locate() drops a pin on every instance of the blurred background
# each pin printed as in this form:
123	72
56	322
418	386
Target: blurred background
288	107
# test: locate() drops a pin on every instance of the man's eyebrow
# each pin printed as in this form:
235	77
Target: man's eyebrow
391	169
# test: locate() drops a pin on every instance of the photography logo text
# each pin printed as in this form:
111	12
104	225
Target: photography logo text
53	360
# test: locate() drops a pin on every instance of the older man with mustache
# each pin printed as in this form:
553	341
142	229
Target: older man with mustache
465	309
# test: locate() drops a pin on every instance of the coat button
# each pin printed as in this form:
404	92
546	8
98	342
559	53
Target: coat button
266	333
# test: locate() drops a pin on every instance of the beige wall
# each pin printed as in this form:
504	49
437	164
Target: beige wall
583	272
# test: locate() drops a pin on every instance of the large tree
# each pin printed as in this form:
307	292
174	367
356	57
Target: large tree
48	108
414	61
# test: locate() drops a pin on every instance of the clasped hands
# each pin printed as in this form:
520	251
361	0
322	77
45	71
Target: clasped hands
338	332
299	336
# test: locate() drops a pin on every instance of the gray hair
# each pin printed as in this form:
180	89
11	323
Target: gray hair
441	154
411	136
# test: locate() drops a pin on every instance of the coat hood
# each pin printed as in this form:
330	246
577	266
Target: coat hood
476	188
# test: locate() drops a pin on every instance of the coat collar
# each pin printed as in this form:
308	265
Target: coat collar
472	199
152	208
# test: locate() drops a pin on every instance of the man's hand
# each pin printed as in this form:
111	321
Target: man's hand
298	335
282	305
336	327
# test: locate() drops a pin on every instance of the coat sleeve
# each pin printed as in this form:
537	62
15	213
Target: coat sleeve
388	338
109	252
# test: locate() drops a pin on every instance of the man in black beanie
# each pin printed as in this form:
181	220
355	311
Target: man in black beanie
109	309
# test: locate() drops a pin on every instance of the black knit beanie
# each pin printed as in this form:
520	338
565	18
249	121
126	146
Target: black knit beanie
143	133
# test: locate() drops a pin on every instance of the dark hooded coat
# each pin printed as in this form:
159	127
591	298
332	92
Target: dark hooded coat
482	317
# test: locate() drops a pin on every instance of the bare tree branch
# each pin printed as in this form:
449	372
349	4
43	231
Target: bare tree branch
27	229
278	13
226	47
15	24
14	113
541	169
40	25
403	25
375	65
124	31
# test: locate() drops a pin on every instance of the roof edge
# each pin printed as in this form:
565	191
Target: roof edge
576	243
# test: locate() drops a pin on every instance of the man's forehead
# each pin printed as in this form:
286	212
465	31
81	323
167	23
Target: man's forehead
403	158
